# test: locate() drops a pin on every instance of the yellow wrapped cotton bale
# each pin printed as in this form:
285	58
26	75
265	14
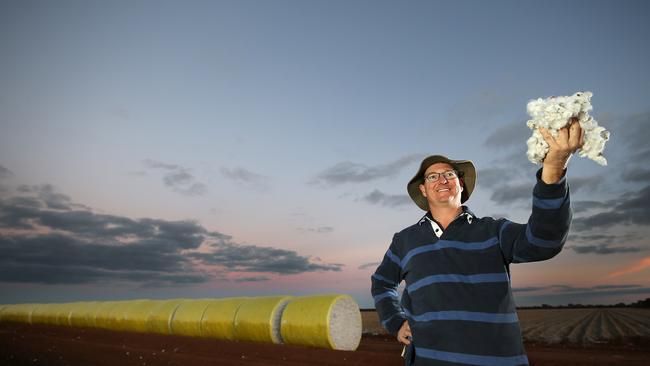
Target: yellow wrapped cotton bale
329	321
160	317
83	314
136	313
187	318
101	317
258	319
40	314
1	308
116	316
219	318
20	313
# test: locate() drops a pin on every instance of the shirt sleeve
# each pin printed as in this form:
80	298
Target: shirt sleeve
548	226
385	281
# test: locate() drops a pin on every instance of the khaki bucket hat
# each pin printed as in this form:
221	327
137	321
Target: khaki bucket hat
467	176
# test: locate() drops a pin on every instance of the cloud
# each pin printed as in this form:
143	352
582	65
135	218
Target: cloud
318	230
629	208
604	249
510	194
512	134
590	183
637	266
377	197
371	265
67	243
637	175
252	279
252	258
582	206
245	177
178	178
5	173
349	172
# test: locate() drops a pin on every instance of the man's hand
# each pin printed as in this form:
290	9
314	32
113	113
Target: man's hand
404	333
568	140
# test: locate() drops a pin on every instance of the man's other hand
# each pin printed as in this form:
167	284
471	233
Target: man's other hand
404	333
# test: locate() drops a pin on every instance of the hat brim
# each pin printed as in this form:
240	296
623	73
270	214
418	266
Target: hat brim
468	178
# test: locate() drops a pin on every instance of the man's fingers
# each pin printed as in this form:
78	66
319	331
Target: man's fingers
575	136
547	137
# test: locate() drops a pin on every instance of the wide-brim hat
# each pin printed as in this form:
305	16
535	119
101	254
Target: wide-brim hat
467	175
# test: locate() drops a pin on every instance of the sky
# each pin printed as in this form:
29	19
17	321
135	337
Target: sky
165	149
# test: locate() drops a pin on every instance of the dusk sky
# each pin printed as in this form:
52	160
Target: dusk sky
164	149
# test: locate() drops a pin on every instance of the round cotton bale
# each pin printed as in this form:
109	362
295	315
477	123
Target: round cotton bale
219	318
39	314
62	314
83	314
135	315
116	316
187	318
326	321
160	317
2	308
258	319
19	313
101	317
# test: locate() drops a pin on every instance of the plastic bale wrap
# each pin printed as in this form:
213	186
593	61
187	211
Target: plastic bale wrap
76	309
326	321
83	314
19	313
219	318
160	317
187	318
258	319
136	313
101	317
40	314
62	314
2	308
116	315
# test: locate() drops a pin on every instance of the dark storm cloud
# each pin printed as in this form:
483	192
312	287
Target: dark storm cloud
630	208
510	194
178	178
5	173
567	294
245	177
637	175
45	243
252	279
604	249
590	183
633	288
377	197
349	172
371	265
252	258
581	206
512	134
318	230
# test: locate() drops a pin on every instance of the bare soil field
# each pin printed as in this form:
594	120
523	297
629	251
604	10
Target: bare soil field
24	344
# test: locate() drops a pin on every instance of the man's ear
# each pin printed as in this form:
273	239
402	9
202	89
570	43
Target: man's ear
422	190
462	184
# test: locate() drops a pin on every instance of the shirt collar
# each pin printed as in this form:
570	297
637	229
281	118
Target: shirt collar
469	215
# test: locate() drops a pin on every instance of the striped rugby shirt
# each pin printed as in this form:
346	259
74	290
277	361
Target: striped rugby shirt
457	296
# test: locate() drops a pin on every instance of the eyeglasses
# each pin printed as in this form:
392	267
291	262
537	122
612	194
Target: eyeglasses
449	175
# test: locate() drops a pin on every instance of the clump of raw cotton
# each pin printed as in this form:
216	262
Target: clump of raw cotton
554	113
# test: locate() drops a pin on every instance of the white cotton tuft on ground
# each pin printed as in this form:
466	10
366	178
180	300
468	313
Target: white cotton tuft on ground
553	113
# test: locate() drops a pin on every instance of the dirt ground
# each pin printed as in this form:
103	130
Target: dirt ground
24	344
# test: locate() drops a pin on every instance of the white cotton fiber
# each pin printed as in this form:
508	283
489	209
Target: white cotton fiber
554	113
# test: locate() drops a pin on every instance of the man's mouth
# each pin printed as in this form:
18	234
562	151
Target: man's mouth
442	190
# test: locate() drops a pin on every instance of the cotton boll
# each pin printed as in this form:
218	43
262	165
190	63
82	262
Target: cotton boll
553	114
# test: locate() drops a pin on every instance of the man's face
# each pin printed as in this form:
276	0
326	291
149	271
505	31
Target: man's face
443	192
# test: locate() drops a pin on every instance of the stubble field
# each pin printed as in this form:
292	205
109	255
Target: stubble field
552	337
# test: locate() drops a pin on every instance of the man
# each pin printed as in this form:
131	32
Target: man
457	306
